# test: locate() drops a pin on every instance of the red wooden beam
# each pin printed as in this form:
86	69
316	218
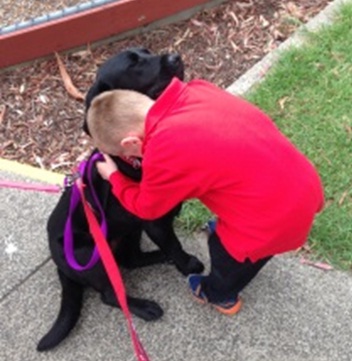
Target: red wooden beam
85	27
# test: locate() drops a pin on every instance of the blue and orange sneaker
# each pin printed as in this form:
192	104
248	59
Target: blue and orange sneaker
228	307
211	225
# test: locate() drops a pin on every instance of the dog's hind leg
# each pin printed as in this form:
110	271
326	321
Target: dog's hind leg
70	309
161	232
145	309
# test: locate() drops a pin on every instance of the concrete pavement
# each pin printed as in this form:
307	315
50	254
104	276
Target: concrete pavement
291	311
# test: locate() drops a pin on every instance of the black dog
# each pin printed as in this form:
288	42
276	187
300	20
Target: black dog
135	69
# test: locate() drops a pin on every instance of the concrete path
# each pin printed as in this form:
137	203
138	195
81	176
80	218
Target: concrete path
291	311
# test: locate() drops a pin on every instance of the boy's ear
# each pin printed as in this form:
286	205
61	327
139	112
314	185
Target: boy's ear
131	140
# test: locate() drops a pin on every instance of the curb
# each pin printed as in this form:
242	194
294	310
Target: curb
31	172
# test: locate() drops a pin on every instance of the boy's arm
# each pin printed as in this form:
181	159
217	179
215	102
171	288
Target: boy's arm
159	191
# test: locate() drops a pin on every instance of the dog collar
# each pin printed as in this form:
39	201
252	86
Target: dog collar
136	163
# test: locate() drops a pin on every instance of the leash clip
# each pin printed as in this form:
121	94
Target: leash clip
70	179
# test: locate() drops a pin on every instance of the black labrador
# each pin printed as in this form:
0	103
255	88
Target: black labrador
135	69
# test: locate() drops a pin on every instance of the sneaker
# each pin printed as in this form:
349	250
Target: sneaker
211	225
228	307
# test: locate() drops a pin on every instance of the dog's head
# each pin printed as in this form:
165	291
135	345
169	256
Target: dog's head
136	69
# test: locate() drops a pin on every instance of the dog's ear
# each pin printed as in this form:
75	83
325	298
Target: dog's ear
133	58
85	125
97	88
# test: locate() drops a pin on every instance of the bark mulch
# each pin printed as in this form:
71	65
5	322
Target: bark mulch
40	122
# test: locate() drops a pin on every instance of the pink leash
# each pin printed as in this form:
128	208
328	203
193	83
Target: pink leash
113	272
30	186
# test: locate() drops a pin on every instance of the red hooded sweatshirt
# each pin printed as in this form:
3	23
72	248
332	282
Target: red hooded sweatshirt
202	142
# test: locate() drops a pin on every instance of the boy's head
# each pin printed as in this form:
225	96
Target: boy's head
115	121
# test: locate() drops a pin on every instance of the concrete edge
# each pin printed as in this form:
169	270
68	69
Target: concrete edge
257	73
31	172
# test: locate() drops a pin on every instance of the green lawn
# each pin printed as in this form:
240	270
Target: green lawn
309	96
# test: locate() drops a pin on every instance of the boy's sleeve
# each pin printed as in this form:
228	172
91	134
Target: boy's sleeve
159	191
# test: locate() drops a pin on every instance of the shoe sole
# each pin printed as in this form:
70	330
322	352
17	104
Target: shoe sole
226	311
229	311
198	299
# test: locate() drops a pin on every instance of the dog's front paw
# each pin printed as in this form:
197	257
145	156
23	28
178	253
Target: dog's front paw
194	265
147	310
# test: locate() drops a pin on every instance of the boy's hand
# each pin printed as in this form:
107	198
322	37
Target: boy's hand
106	168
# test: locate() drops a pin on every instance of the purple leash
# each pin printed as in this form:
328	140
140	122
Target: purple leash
85	166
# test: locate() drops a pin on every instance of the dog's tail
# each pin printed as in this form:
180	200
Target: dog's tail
70	309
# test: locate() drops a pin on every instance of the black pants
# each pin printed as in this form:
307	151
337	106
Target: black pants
227	276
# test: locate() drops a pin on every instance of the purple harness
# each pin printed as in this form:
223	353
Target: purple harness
85	166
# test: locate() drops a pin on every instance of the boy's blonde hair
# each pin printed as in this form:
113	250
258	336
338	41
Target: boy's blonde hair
112	115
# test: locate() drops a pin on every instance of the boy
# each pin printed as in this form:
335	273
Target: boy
198	141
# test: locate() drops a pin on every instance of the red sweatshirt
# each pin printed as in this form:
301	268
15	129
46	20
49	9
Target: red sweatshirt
202	142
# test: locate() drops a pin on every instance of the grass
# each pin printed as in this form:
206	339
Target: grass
309	96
